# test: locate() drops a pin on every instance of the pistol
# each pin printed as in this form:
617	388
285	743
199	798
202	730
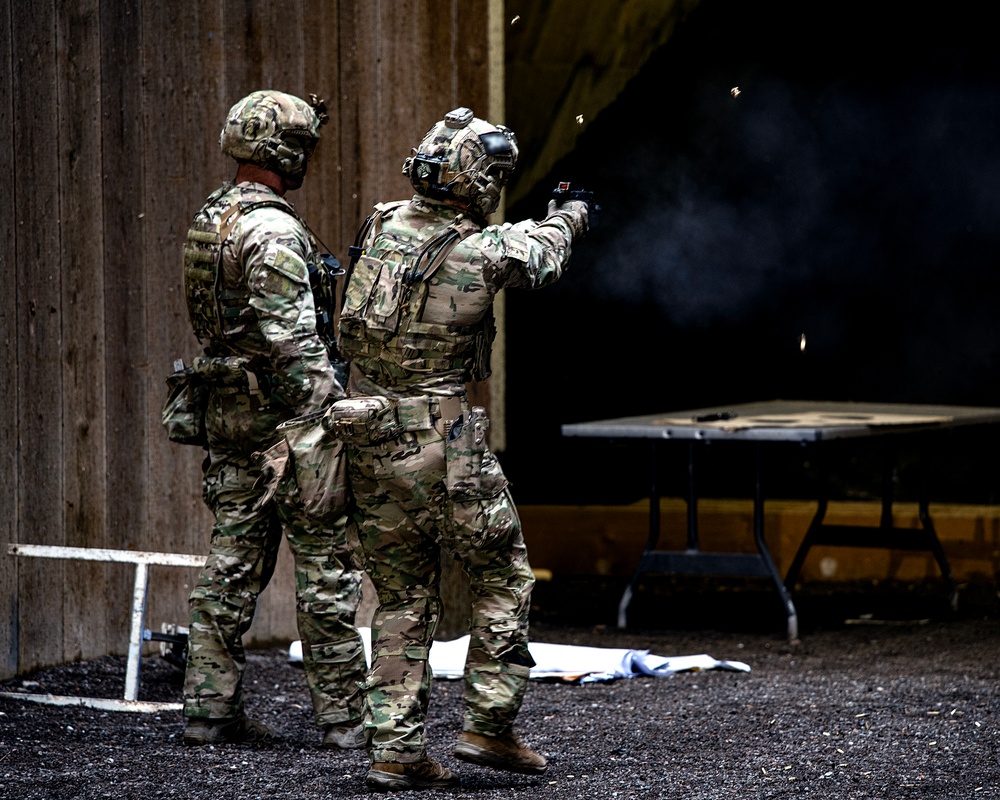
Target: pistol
563	192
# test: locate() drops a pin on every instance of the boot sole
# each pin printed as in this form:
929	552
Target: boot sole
253	736
343	743
338	746
390	781
474	754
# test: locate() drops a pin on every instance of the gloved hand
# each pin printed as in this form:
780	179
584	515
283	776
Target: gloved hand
575	212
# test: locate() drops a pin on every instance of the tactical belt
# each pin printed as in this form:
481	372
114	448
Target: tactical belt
371	419
427	411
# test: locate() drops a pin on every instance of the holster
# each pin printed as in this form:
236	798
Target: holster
473	471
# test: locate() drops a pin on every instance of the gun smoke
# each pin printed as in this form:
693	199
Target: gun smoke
847	192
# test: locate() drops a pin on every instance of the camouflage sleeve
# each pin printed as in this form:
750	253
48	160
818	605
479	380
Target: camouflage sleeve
536	254
275	252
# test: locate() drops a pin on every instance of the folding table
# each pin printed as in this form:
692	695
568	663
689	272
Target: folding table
781	421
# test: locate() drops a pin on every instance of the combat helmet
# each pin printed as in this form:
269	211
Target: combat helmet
274	130
465	160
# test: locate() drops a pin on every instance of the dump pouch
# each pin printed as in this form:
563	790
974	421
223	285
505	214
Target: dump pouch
362	421
473	472
183	414
318	464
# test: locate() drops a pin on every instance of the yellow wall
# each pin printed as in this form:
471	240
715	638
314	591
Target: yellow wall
608	540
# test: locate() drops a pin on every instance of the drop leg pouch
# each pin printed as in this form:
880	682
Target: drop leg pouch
319	465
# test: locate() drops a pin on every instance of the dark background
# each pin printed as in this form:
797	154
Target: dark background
849	193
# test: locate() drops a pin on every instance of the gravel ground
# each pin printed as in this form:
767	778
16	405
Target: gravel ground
885	695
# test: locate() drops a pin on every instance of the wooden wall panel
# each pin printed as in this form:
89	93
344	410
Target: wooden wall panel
472	51
38	327
318	199
88	584
277	34
126	363
354	88
9	427
417	32
362	46
179	165
113	109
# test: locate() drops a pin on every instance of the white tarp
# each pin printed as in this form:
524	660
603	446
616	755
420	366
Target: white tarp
565	662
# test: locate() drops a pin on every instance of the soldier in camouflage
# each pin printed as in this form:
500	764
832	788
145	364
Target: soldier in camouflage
417	325
252	272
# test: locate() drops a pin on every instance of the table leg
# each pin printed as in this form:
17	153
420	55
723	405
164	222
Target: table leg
765	554
814	526
654	535
884	535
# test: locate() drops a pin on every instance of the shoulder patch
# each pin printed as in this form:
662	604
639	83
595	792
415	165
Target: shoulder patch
286	261
515	245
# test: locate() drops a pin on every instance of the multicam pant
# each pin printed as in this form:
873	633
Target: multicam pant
244	549
406	519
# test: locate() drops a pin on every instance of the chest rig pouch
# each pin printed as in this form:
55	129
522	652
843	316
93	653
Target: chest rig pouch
387	278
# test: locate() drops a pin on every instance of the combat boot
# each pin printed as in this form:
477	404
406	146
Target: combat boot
504	752
386	776
238	730
344	737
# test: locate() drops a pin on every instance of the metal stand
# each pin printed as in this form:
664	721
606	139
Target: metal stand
884	535
142	560
693	561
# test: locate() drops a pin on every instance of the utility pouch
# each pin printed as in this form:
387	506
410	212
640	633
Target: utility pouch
473	472
235	374
319	465
183	414
362	420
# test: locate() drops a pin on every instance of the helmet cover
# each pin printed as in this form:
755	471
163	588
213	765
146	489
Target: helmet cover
274	130
464	159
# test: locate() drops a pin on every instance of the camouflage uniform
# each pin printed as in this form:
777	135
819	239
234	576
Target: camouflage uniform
264	363
437	486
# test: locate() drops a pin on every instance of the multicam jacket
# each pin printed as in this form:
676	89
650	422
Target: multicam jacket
246	277
417	315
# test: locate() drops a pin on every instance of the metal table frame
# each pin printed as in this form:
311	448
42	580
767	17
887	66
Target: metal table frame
846	421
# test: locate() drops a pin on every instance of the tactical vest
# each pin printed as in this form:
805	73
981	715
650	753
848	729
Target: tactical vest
219	304
384	297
